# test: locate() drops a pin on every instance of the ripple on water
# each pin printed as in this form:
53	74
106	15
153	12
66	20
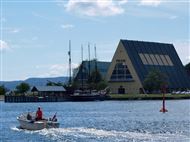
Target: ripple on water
108	121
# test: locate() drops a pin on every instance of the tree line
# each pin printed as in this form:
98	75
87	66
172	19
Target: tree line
20	89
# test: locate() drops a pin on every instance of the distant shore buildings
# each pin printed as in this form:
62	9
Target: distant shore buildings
48	91
132	62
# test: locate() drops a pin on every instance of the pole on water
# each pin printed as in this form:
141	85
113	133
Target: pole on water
163	109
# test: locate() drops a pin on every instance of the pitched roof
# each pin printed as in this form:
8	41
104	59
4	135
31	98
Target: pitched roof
102	67
174	70
49	88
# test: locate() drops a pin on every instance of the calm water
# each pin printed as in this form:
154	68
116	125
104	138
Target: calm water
106	121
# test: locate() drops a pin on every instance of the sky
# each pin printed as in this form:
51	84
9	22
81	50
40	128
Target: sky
35	34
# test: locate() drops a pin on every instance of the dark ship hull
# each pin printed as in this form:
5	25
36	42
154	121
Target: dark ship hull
82	98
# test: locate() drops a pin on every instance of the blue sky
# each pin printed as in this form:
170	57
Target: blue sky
35	34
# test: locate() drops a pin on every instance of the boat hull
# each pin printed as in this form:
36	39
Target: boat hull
36	125
86	97
29	125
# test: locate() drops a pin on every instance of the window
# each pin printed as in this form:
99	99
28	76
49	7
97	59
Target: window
169	60
159	60
164	60
121	90
148	59
155	59
121	73
143	59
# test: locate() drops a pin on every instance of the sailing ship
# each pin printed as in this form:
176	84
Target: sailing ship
85	93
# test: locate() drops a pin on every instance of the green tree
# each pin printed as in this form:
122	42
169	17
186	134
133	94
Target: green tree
75	84
95	77
102	85
154	81
95	81
2	90
72	87
22	87
50	83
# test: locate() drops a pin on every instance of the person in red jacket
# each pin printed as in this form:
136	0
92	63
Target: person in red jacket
39	114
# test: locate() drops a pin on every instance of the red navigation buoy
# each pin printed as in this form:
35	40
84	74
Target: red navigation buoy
163	109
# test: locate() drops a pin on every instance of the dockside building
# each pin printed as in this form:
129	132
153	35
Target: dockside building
133	60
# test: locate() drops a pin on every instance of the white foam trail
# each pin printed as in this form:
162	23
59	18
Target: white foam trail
81	132
16	129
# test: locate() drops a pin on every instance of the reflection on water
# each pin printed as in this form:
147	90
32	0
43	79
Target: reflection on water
107	121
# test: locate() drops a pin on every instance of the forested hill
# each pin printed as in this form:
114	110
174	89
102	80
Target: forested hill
33	82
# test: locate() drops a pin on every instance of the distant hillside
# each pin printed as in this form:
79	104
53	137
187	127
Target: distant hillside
11	85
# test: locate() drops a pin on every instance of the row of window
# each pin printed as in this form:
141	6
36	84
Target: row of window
121	76
155	59
121	73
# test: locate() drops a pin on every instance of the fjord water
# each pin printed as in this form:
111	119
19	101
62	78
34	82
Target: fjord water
101	121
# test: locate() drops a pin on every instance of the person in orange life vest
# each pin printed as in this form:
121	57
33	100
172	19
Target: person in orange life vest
39	114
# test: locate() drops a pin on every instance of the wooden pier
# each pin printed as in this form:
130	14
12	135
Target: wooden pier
24	99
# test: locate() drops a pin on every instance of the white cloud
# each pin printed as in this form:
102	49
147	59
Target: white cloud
67	26
183	49
3	45
173	17
150	2
60	69
15	30
121	2
55	69
188	59
11	30
95	7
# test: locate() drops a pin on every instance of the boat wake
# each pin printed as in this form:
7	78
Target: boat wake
16	129
92	134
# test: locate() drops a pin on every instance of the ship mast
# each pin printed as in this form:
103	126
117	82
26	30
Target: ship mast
82	66
89	69
69	53
96	69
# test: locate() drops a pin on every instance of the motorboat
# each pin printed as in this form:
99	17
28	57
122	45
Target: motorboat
31	124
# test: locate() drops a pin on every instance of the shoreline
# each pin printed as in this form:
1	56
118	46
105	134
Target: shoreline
149	96
144	99
116	97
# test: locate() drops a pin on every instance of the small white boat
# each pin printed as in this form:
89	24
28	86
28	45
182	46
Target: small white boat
35	125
